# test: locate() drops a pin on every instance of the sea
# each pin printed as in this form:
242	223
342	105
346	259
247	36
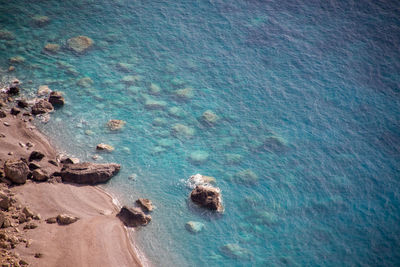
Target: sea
293	106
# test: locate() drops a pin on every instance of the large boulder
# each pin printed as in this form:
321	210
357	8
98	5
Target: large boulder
65	219
133	217
88	173
16	171
79	44
41	107
208	197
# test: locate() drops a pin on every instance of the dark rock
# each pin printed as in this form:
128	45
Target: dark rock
41	107
70	161
38	255
53	162
28	212
145	204
13	90
16	171
22	103
36	155
40	175
3	114
133	217
88	173
51	220
15	111
33	166
56	99
207	197
30	226
64	219
5	202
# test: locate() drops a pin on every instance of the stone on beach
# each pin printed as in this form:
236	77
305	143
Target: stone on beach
207	197
80	44
105	147
145	203
133	217
115	125
16	171
39	175
194	227
89	173
41	107
65	219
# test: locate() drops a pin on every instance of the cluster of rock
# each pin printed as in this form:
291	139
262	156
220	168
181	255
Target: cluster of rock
136	216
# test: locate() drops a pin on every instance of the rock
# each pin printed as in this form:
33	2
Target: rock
85	82
233	159
11	69
182	131
154	89
5	202
13	90
154	104
133	217
176	112
22	218
2	219
6	223
125	67
56	99
6	35
145	204
38	255
53	162
247	177
79	44
43	90
115	125
16	171
184	94
159	122
131	79
42	107
65	219
199	179
88	173
235	251
16	60
15	111
28	212
207	197
198	157
30	226
33	166
41	21
36	155
3	114
209	118
40	175
69	161
273	144
51	48
105	147
22	103
51	220
194	227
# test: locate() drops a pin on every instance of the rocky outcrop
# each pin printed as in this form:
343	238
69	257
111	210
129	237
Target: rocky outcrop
133	217
88	173
56	99
16	171
79	44
42	107
145	204
207	197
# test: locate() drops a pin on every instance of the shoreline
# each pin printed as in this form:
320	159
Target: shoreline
55	243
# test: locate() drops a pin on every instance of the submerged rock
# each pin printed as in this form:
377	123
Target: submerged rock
43	90
247	177
154	104
182	131
85	82
41	21
207	197
133	217
16	171
56	99
194	227
154	89
235	251
6	35
125	67
89	173
41	107
198	157
17	59
184	94
145	203
115	125
105	147
176	112
233	159
209	118
79	44
51	48
131	79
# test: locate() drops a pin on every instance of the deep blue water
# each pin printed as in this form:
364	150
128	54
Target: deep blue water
307	94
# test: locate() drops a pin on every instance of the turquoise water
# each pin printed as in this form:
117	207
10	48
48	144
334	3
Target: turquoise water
308	98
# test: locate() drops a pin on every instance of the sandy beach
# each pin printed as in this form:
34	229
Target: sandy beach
98	238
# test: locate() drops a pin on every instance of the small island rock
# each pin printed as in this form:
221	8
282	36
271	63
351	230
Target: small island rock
133	217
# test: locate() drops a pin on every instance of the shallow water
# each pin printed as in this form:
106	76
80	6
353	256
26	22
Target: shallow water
307	95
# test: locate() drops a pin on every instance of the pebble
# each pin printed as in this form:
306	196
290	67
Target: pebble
6	124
